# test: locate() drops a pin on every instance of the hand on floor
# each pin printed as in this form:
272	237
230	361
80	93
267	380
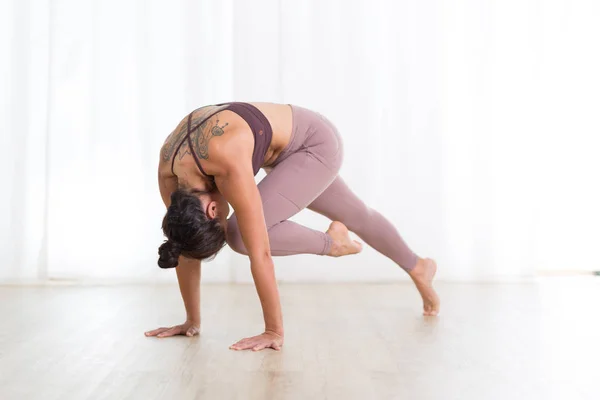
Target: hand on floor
265	340
189	328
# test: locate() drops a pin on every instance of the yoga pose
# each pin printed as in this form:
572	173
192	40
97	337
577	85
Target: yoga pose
211	159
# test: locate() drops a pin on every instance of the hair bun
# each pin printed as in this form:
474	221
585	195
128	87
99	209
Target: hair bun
169	253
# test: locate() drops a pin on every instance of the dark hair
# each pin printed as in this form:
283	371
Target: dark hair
189	231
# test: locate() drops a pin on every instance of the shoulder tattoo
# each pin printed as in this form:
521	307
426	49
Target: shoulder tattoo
201	134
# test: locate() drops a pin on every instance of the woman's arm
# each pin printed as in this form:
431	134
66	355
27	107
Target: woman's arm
188	276
239	189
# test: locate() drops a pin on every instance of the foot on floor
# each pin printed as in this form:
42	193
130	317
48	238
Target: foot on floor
422	275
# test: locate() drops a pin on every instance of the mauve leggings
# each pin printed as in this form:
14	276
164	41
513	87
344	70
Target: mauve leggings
306	176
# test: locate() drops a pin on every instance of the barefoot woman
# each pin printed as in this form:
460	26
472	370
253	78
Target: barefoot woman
211	159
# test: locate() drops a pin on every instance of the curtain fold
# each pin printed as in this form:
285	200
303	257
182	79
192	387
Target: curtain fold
24	85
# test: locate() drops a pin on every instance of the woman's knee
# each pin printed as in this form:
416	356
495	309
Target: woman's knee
234	236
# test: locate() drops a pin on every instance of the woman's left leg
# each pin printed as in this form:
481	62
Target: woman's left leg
287	189
306	169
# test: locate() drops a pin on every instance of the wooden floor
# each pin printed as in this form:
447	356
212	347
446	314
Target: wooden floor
355	341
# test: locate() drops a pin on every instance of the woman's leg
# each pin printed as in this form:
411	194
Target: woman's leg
306	168
287	189
339	203
300	180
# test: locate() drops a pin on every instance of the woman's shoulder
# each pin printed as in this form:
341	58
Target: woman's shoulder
196	122
215	134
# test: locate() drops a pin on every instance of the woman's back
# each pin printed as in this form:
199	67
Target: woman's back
219	127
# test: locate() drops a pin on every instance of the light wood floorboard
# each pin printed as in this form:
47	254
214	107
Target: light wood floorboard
343	341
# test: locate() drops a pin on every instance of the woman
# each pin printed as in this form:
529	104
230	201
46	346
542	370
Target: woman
211	159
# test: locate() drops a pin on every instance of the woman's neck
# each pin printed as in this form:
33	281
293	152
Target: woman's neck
195	183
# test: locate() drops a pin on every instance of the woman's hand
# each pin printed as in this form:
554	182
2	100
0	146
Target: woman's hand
189	328
266	340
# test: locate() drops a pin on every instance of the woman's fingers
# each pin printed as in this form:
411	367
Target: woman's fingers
156	331
256	343
244	344
176	330
243	341
260	346
238	346
189	329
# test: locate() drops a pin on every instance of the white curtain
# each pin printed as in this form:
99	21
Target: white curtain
471	124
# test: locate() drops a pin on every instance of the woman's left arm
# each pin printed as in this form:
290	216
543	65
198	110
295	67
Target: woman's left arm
238	187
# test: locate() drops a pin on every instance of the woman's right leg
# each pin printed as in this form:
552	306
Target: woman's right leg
339	203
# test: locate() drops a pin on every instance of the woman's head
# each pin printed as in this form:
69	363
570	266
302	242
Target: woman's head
194	226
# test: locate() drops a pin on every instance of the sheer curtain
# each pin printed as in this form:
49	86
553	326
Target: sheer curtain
470	124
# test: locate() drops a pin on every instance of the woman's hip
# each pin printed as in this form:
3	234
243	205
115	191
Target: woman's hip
314	134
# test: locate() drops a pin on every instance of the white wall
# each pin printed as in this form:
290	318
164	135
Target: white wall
476	120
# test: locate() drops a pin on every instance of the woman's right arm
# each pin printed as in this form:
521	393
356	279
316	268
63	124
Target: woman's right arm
188	276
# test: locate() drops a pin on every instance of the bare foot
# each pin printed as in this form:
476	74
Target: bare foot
422	275
342	244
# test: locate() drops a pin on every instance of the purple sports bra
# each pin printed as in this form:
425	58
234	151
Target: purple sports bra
259	125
